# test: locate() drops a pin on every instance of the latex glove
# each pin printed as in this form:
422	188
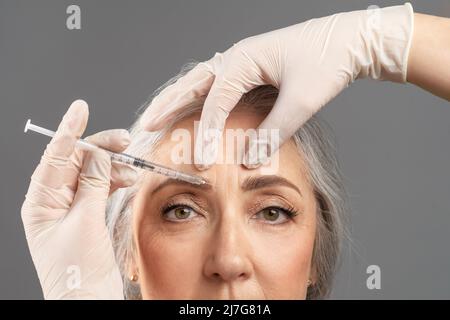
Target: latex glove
64	212
310	63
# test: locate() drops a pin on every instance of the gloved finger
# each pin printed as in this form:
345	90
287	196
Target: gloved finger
225	93
115	140
47	196
196	83
93	185
50	171
122	176
279	126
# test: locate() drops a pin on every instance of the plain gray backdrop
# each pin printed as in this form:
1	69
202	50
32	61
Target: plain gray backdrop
393	140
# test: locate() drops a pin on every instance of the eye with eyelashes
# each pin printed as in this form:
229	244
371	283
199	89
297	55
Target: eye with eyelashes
183	212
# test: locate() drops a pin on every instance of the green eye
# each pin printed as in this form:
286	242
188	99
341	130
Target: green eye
179	213
271	214
182	212
275	215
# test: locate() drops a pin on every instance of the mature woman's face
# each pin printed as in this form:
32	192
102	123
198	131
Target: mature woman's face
249	235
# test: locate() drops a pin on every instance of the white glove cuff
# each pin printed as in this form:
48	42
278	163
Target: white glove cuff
390	35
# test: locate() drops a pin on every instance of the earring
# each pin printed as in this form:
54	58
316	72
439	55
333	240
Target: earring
134	277
308	282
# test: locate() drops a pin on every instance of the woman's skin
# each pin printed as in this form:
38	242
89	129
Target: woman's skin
226	247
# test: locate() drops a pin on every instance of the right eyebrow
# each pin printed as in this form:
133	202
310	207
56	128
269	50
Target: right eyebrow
173	182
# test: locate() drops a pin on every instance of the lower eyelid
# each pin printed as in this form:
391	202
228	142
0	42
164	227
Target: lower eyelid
178	220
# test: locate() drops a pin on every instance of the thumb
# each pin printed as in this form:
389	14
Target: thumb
235	76
94	183
225	93
289	113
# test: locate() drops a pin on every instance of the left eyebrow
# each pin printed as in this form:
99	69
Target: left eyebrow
259	182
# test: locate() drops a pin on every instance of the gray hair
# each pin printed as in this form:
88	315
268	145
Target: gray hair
314	142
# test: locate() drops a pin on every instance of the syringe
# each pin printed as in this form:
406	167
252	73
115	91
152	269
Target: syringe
125	158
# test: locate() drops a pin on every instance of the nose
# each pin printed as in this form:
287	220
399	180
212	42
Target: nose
228	257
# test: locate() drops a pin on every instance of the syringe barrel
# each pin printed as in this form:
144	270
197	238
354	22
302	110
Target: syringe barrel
123	158
166	172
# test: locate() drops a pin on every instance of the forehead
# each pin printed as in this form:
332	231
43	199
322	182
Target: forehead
290	162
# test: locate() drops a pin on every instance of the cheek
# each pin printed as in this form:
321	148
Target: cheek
164	261
283	261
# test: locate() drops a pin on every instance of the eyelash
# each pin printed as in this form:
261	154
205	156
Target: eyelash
171	206
290	211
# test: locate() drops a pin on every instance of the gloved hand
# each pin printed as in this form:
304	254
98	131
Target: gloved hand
310	63
64	212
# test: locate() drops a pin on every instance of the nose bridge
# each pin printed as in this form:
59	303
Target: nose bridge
229	253
229	233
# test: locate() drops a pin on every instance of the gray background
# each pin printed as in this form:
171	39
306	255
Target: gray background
393	139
